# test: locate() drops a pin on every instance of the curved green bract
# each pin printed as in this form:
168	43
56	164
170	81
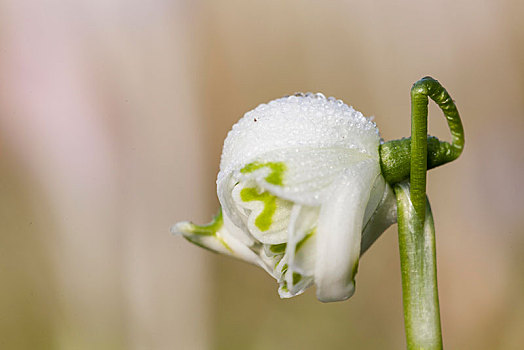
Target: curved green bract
265	218
275	177
395	156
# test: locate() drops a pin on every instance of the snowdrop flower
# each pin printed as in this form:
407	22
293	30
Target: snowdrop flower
302	194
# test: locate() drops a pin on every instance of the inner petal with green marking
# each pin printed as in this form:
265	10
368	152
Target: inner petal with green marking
264	219
266	215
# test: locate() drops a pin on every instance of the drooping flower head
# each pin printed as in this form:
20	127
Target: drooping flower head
302	194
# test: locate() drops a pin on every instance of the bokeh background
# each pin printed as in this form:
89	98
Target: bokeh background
112	117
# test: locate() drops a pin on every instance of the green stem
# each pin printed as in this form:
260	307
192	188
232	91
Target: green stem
411	158
419	273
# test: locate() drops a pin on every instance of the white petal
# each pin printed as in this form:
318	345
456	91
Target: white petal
232	230
219	236
279	272
225	185
290	283
300	175
301	247
339	232
375	197
384	216
297	283
272	263
297	122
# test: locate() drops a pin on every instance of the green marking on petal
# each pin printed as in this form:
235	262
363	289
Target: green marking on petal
265	218
275	177
354	270
306	237
296	277
209	229
194	232
221	240
278	248
196	242
284	268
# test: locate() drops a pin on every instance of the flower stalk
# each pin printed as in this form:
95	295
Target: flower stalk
416	230
416	237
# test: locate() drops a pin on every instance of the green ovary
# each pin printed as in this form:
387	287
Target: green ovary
275	177
265	218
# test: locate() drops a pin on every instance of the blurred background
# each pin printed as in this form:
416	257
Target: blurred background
112	118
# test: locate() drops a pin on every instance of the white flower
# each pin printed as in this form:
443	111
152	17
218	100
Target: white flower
302	194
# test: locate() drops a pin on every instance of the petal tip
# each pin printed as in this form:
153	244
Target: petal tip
181	228
336	294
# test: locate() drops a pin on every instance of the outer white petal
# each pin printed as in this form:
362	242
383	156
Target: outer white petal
297	122
339	232
227	239
307	172
375	197
297	283
384	216
301	246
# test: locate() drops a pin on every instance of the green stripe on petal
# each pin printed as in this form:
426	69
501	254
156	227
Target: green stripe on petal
194	233
283	288
278	248
209	229
197	241
275	177
265	218
306	237
296	278
223	242
354	270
